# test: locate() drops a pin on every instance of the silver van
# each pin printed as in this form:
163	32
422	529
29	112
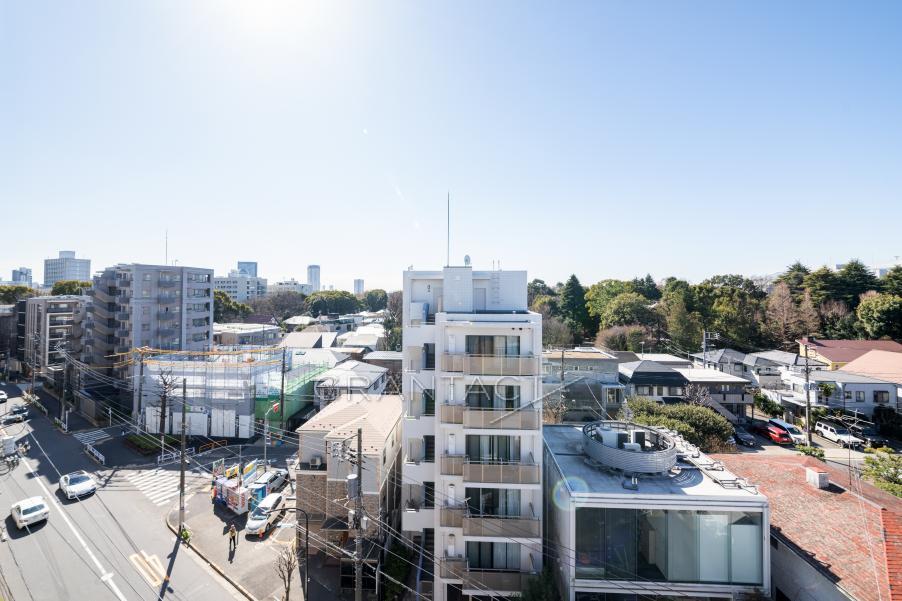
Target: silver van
264	515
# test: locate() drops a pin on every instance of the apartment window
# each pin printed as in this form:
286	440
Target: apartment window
145	327
493	345
429	448
429	402
429	351
668	545
847	395
428	494
493	556
881	396
145	292
859	396
493	501
677	391
492	448
146	277
643	390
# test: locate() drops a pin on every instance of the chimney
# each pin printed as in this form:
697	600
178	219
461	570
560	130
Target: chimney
817	478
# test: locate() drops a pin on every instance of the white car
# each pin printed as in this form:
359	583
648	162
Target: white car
273	480
29	511
264	515
837	433
3	397
77	484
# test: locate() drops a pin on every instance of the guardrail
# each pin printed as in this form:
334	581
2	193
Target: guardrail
95	454
166	458
211	445
60	424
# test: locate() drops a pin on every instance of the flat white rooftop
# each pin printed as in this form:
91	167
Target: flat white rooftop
586	479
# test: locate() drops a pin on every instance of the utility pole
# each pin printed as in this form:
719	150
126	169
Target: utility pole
807	396
140	385
65	387
282	393
358	518
562	376
706	336
182	459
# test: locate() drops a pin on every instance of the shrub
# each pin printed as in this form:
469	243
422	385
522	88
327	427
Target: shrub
699	425
767	406
885	471
810	451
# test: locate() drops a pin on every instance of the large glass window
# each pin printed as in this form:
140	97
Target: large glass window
668	545
492	449
493	501
493	345
487	396
493	556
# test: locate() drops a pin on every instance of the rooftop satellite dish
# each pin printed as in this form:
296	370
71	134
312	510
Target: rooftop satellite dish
467	260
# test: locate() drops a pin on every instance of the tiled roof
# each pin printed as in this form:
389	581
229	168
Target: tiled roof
883	365
848	350
853	537
376	415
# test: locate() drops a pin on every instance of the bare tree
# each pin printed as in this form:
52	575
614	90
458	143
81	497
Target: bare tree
555	332
698	395
285	566
166	387
782	316
554	407
809	320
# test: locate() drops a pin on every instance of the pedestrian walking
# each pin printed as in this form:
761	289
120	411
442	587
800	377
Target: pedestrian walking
213	494
233	538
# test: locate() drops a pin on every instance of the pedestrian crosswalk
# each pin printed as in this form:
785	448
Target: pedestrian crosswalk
91	437
161	485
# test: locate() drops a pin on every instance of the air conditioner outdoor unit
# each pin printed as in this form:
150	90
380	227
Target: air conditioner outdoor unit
316	461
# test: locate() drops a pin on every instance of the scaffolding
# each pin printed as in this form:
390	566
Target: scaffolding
227	390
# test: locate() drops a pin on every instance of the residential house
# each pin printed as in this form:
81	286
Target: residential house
830	540
882	365
349	377
664	359
726	360
652	380
836	353
309	339
850	392
635	512
589	382
728	394
244	334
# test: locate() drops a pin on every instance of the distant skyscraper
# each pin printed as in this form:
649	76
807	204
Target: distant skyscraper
22	275
248	268
66	267
313	277
358	287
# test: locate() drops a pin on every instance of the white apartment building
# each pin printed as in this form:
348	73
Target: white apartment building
358	287
291	285
240	286
22	275
53	324
313	277
472	470
66	267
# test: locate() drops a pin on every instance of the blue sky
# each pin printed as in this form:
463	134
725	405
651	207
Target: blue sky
609	139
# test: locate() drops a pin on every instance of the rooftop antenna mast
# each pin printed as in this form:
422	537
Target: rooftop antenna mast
166	245
448	220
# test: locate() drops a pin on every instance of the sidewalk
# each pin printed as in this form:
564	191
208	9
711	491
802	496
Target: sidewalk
250	568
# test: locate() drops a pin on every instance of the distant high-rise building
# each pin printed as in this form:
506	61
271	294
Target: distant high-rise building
240	286
66	267
248	268
313	277
358	287
22	275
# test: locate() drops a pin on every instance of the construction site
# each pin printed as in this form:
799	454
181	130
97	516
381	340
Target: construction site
226	392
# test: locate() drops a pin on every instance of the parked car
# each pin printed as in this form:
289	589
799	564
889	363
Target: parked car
19	410
777	435
869	435
77	484
837	433
14	418
29	511
744	437
264	515
3	397
797	436
273	480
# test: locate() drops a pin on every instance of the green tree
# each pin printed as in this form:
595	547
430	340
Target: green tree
881	315
12	294
70	287
535	289
225	310
375	300
853	280
809	320
700	426
625	309
545	304
624	338
825	390
823	285
684	328
280	306
794	278
885	471
395	308
600	294
573	309
646	287
327	302
541	587
892	281
837	322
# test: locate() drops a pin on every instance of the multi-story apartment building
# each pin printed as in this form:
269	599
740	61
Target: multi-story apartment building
157	306
635	512
242	334
22	276
66	267
313	277
240	286
291	285
53	325
472	430
358	287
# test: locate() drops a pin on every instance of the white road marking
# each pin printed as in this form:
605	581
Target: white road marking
107	577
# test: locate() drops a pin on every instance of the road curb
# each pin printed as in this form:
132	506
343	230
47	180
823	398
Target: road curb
215	567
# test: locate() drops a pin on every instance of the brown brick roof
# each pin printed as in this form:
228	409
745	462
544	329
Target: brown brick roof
856	537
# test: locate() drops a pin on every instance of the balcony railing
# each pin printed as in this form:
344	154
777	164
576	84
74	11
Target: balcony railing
495	580
452	516
508	419
452	414
166	315
492	365
510	527
167	283
123	315
453	465
502	472
453	567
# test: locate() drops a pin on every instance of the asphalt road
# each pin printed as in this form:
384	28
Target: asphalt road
113	545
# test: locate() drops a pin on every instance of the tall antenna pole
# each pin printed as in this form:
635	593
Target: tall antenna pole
166	244
448	221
